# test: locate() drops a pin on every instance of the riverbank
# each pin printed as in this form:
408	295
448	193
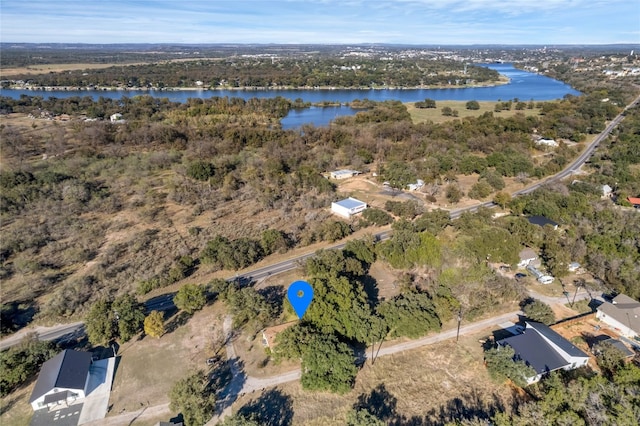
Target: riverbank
503	80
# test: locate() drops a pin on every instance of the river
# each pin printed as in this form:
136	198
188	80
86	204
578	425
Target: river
523	85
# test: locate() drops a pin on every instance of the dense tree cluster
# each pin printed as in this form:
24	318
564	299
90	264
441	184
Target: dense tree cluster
240	72
110	319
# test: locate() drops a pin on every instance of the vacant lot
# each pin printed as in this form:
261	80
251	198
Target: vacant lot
150	367
434	384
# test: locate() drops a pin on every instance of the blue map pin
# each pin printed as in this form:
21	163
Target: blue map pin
300	294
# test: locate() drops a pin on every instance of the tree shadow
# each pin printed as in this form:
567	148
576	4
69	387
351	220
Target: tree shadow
274	295
231	381
370	286
379	402
15	316
177	321
272	408
473	406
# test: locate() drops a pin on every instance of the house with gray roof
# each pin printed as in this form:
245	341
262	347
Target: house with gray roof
62	379
622	314
544	350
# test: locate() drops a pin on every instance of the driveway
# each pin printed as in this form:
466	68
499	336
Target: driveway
62	416
98	390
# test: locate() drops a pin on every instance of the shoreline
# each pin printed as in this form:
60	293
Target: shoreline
504	81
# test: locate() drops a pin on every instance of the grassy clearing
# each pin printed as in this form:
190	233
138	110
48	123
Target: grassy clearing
150	367
15	408
435	114
425	384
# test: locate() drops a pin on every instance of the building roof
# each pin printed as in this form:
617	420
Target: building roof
345	172
269	334
634	200
527	254
350	203
555	338
625	310
68	369
535	352
541	221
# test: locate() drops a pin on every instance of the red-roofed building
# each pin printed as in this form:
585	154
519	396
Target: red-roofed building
635	201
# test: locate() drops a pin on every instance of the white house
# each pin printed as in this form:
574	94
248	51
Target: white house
544	350
526	257
62	379
547	142
343	174
606	191
115	118
348	207
623	314
415	186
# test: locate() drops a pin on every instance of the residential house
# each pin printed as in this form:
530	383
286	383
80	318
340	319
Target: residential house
547	142
573	267
415	186
634	201
348	207
544	350
527	256
622	314
343	174
269	334
115	118
542	221
606	191
62	379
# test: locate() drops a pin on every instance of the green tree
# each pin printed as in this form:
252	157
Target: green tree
447	111
190	298
328	365
154	324
501	366
472	105
411	314
539	311
100	323
377	217
453	193
502	199
339	306
609	357
194	398
480	190
129	315
20	362
363	417
274	241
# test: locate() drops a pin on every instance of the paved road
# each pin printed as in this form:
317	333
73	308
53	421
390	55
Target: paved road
60	331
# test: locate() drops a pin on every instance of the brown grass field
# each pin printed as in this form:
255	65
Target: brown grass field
419	115
425	383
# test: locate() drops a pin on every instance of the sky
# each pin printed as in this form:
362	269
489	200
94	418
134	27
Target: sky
420	22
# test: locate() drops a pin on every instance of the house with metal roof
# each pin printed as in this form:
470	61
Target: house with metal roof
348	207
62	379
343	174
544	350
622	314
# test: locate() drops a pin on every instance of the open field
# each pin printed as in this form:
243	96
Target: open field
419	115
433	383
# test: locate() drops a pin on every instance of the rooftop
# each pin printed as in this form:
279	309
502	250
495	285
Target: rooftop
68	370
350	203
